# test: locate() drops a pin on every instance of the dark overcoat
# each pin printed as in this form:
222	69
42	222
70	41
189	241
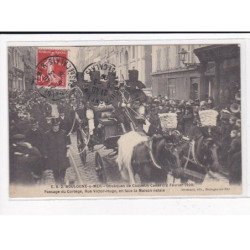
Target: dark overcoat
55	149
24	159
36	139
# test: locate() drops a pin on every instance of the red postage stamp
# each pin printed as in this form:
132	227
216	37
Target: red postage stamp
55	73
52	68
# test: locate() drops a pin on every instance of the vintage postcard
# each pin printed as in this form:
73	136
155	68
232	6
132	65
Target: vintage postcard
125	120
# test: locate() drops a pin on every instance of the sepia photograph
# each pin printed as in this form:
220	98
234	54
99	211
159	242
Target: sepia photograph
125	120
124	124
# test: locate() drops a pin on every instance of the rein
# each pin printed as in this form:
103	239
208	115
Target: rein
70	132
83	135
191	153
87	142
154	161
152	156
130	118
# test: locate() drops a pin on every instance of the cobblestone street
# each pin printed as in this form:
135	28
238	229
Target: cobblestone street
87	172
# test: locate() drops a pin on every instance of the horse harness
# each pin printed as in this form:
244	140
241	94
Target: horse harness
191	157
152	157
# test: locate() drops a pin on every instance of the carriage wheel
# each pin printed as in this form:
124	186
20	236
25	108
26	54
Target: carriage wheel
99	167
81	145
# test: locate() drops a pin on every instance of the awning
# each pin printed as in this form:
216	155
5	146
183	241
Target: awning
218	52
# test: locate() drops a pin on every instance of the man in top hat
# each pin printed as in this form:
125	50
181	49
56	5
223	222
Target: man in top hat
121	103
34	135
133	81
56	144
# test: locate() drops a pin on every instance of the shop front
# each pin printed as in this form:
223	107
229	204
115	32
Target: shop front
220	72
179	84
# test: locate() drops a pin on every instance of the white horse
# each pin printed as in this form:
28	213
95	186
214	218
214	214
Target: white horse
126	145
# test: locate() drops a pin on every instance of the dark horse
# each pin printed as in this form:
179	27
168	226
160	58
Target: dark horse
150	159
153	159
196	157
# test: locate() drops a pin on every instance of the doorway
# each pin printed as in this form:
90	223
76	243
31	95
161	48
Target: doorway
194	88
171	88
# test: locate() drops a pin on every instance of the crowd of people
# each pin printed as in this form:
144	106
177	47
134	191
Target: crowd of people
227	132
40	129
39	138
228	120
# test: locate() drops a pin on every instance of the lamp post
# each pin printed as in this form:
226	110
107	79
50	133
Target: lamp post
183	57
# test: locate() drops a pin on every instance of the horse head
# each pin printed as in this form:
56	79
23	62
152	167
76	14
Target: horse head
208	153
162	149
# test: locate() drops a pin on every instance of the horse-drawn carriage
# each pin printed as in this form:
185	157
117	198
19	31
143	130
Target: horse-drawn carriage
110	110
118	126
107	132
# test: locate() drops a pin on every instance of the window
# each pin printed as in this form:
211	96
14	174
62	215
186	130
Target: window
15	58
139	54
166	57
133	52
172	88
19	60
158	60
177	60
189	58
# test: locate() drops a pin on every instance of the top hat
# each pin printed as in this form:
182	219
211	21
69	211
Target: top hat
133	75
55	121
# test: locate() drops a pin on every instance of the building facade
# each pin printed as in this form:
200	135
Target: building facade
173	77
124	58
21	67
220	72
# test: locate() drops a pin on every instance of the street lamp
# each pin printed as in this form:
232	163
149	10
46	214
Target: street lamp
182	55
